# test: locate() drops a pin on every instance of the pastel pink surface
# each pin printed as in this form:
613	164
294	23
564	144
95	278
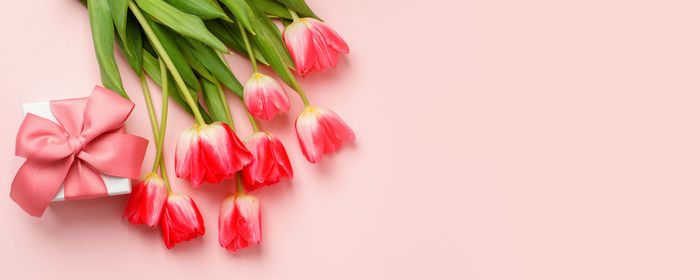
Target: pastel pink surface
496	140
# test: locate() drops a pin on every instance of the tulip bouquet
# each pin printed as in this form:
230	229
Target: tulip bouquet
180	45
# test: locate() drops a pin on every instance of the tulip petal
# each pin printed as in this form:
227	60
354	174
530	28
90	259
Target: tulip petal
330	36
299	41
319	131
181	220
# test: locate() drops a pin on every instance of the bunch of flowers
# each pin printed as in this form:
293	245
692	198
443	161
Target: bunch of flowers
180	45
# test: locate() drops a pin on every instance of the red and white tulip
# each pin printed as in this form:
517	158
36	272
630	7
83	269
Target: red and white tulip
146	201
209	153
239	222
264	97
181	220
314	46
270	161
321	131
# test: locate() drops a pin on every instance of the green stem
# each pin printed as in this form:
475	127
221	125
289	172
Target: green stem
227	110
168	62
244	34
301	93
152	116
163	113
239	183
252	120
222	96
156	134
293	13
165	175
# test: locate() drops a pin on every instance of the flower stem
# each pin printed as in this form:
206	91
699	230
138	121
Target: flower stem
239	183
293	13
163	113
152	116
156	133
168	62
301	94
222	96
164	174
244	34
252	120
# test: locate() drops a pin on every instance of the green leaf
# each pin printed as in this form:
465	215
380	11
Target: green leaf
242	11
197	66
184	23
134	45
210	91
201	8
271	45
152	67
270	32
211	60
299	6
273	8
119	9
167	39
232	39
103	39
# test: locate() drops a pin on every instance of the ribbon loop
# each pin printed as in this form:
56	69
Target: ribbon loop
86	142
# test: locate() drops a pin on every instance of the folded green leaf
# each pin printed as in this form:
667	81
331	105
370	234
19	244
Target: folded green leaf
103	39
210	91
208	57
184	23
167	39
298	6
119	9
271	33
271	45
201	8
134	45
242	11
187	51
152	67
232	39
273	8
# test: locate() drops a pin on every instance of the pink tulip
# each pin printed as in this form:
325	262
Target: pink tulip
146	201
239	222
209	153
314	46
181	220
320	131
270	161
264	97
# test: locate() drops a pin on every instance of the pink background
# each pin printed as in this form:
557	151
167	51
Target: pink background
496	140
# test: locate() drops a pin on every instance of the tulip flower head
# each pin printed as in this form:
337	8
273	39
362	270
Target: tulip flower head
264	97
210	153
321	131
314	46
146	201
181	220
270	161
239	222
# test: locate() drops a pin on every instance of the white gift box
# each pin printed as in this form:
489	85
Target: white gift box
115	185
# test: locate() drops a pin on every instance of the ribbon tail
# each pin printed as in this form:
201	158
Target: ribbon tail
37	182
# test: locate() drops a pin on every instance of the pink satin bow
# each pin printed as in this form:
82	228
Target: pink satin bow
85	143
